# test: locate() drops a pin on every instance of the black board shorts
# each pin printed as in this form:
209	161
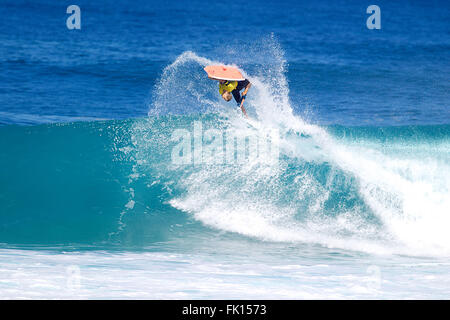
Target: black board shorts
236	92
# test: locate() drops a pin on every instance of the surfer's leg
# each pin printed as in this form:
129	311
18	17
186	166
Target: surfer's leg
237	92
236	95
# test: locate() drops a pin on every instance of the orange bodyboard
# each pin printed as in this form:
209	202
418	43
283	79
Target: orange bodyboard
224	73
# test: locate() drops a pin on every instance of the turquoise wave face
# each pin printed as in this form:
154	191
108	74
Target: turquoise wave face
65	184
114	183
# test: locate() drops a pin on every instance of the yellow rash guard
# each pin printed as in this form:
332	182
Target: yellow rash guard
227	86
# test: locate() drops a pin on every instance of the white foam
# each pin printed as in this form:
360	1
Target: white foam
409	195
41	274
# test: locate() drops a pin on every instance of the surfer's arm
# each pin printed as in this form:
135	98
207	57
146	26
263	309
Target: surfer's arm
247	87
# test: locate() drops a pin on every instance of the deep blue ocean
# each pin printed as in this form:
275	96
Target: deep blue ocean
96	203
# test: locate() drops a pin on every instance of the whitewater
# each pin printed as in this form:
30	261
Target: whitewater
389	196
344	212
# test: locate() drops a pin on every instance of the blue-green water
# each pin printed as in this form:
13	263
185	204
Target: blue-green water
69	184
98	209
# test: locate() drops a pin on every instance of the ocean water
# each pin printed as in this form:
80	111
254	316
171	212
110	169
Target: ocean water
113	178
